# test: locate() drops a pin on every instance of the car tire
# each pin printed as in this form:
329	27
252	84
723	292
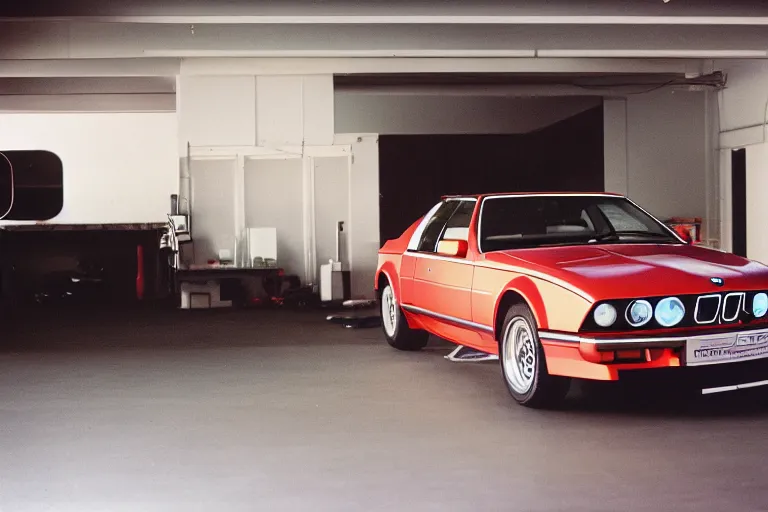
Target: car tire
396	329
523	364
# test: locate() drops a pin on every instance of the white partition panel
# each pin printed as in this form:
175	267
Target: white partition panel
213	207
331	205
363	230
274	198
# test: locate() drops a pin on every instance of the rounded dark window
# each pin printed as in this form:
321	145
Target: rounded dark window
31	185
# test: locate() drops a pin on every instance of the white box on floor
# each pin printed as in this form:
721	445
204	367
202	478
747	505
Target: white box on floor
202	295
331	282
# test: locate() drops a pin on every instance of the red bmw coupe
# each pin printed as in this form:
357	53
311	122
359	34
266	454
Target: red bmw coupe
586	286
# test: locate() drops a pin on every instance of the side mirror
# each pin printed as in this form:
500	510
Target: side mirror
452	248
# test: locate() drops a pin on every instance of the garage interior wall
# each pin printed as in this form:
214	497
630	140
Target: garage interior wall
656	151
743	112
118	167
657	145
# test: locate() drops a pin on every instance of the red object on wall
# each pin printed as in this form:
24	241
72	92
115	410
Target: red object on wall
139	272
688	228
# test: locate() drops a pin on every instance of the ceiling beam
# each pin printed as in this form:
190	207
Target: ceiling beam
90	67
410	20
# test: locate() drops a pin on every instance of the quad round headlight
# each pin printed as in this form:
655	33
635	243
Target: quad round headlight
760	305
669	312
605	315
639	313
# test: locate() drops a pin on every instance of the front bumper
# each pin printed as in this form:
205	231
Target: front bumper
708	379
609	358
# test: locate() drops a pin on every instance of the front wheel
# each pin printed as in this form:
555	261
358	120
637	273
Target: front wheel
523	364
396	329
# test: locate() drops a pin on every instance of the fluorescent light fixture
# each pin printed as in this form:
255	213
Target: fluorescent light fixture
410	20
653	54
447	53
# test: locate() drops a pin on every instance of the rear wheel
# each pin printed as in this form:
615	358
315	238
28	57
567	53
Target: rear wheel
396	329
523	364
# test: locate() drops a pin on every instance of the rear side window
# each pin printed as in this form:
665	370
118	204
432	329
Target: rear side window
457	227
435	226
31	185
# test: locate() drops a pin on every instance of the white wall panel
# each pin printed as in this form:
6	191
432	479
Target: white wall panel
216	110
743	103
279	110
213	208
118	167
615	145
318	115
757	205
331	205
666	144
363	228
294	110
274	198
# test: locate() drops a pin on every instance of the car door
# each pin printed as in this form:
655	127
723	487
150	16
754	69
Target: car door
442	285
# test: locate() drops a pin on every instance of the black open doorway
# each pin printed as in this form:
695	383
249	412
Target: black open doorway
415	170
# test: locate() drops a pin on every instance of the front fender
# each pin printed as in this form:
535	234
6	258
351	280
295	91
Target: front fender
554	307
526	288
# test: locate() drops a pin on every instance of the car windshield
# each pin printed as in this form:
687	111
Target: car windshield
510	222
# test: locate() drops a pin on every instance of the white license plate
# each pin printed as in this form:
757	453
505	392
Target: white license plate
727	348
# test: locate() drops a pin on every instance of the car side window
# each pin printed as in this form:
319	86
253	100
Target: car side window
457	227
435	226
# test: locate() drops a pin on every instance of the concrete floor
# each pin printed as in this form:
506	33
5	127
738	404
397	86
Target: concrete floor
255	411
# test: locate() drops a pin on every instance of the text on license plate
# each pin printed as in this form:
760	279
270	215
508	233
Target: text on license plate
724	348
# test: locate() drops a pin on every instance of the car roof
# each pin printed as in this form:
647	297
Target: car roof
529	194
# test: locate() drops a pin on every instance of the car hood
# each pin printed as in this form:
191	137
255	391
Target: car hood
614	271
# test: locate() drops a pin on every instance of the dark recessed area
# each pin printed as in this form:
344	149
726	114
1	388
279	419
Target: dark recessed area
416	170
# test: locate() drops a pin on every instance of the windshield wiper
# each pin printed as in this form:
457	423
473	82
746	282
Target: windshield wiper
616	235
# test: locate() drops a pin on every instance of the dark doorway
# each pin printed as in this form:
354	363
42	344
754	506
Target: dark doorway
739	201
415	170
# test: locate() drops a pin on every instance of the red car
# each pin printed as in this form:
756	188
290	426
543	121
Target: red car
563	286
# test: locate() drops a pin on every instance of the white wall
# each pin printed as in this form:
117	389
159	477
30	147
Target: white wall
397	114
118	167
661	159
363	232
266	111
